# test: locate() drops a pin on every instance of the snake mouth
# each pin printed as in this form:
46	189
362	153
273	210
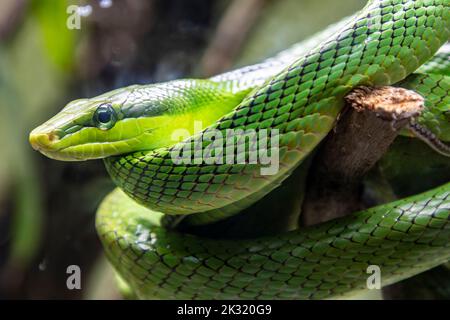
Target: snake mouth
50	145
45	143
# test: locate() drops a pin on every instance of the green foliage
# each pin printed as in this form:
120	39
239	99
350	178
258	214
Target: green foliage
58	40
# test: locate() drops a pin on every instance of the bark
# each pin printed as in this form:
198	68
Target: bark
371	121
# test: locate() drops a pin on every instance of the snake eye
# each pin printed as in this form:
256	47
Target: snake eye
105	117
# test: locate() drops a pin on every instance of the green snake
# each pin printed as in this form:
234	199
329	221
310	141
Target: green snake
298	94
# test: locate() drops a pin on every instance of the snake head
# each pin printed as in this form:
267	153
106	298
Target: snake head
86	129
135	118
117	122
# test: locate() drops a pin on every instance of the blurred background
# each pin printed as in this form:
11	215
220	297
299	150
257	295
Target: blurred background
47	208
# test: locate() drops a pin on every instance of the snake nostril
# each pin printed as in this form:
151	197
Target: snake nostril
52	137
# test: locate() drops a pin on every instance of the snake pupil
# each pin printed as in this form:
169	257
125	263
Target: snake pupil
105	116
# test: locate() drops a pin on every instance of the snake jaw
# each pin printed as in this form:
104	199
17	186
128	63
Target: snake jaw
43	143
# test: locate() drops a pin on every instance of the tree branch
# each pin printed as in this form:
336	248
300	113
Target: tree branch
364	132
231	33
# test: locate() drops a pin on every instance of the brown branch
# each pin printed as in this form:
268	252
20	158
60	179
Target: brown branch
12	13
362	135
230	34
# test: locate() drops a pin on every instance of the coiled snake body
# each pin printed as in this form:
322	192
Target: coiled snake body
300	93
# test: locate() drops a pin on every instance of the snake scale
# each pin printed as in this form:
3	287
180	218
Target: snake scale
300	93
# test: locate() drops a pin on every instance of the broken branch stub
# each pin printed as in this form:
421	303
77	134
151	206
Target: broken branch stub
389	103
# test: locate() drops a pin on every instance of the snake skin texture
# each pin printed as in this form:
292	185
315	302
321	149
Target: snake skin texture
381	45
326	261
440	64
385	42
436	89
